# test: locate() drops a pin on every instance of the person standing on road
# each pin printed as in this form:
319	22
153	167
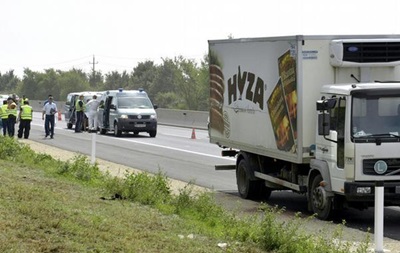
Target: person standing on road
50	109
4	117
80	109
92	107
12	116
25	118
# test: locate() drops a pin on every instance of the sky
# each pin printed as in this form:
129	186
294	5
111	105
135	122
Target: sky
118	34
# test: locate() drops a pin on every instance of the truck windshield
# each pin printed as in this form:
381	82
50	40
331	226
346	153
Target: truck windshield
376	115
134	102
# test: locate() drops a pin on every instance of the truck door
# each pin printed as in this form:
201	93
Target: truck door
338	120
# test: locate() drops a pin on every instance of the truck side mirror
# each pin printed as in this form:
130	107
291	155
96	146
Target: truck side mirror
113	107
326	104
323	124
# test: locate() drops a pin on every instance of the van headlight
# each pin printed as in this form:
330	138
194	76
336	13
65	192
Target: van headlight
124	116
153	116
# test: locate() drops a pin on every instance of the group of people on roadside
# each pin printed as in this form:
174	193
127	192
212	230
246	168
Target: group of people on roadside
10	116
90	108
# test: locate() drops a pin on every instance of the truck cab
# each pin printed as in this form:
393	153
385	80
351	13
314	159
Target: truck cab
127	111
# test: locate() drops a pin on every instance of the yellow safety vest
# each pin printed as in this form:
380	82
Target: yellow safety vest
26	112
13	111
4	111
78	107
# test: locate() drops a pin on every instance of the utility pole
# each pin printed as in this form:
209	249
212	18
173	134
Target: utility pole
94	71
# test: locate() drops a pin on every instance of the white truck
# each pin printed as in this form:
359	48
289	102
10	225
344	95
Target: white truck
318	115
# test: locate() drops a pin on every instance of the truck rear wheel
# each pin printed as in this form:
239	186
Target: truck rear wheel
320	202
247	188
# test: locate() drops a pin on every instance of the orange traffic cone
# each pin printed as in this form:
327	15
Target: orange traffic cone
59	116
193	134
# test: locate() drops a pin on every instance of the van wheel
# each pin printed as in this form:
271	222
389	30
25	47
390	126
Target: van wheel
103	131
69	125
117	132
153	133
320	202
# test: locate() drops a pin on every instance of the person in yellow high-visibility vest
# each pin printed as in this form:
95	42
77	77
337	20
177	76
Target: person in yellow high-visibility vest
25	118
12	116
80	109
4	117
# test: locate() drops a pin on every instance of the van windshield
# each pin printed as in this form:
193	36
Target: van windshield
134	102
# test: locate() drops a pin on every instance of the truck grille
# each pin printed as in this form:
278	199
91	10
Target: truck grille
369	52
393	165
136	117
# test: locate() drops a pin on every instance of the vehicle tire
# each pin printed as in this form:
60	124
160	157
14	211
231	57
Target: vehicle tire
320	202
103	131
117	132
247	188
135	132
69	125
153	133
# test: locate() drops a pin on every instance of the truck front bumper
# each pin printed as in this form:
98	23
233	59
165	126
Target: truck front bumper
365	192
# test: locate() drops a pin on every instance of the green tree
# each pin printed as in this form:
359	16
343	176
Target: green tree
9	82
72	81
143	76
114	80
30	84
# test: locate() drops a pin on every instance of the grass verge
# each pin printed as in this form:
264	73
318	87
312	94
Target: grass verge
47	205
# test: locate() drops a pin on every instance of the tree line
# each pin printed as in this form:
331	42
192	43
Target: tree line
177	83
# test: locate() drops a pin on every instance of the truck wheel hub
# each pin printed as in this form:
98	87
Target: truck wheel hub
319	197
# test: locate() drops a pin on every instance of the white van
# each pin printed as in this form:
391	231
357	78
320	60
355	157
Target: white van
127	111
69	109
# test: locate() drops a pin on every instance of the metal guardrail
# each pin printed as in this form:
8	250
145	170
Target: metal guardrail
181	118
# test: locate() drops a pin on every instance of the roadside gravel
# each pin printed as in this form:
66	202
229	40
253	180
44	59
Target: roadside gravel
229	201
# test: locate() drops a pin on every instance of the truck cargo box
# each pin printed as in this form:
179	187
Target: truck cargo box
263	91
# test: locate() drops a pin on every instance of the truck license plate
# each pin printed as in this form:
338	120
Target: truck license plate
140	125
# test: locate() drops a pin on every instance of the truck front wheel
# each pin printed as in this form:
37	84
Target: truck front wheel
247	189
321	203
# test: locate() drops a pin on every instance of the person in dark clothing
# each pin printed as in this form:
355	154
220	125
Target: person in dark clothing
12	116
80	109
49	110
4	117
25	118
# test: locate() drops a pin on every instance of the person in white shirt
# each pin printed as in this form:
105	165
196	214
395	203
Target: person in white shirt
49	110
91	108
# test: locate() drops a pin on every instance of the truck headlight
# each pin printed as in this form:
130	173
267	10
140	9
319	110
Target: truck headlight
124	116
153	116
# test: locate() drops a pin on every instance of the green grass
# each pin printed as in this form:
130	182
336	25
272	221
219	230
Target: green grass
47	205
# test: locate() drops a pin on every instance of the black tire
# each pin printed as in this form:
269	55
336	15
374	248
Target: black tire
103	131
69	125
247	188
135	132
117	132
321	204
153	133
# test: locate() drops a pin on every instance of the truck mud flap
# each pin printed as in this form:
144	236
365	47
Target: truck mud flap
225	167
